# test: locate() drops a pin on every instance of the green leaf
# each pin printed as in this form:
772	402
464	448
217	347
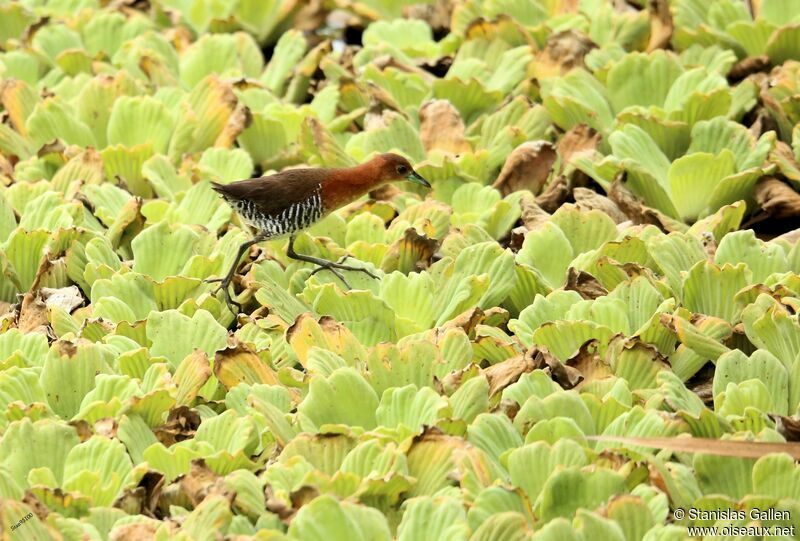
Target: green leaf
410	407
174	335
731	476
413	37
640	79
710	289
532	465
140	120
471	98
549	251
69	374
27	446
435	518
343	398
163	250
288	52
99	468
52	119
571	489
761	258
326	519
693	179
585	230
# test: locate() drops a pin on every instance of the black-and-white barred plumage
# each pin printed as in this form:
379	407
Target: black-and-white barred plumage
297	216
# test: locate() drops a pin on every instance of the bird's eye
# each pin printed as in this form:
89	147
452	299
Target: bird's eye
402	169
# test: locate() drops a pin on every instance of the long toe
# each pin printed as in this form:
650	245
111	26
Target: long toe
223	285
370	274
342	278
230	303
331	266
355	269
339	275
365	271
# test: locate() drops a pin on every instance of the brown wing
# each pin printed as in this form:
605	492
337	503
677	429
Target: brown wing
274	193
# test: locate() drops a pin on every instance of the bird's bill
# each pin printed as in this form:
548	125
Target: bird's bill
416	178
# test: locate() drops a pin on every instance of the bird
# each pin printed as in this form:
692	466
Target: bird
292	200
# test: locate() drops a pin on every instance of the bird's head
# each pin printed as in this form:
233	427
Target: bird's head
394	167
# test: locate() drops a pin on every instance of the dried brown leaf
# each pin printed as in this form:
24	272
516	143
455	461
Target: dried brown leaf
181	425
504	373
238	364
137	531
36	505
704	389
563	51
200	482
636	210
527	168
437	14
411	253
587	286
789	427
566	376
517	238
532	214
554	195
302	496
239	120
33	314
777	198
748	66
587	199
589	363
661	25
143	498
783	156
501	27
82	428
442	128
465	320
7	164
580	138
276	505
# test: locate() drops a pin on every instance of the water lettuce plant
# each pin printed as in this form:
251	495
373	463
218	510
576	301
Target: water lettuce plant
580	283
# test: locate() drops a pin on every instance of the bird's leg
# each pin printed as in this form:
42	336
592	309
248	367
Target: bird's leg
325	264
226	281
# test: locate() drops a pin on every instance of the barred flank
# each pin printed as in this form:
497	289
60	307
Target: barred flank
297	216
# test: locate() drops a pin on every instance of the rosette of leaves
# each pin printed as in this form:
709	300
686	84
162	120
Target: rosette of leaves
262	19
766	29
662	93
717	164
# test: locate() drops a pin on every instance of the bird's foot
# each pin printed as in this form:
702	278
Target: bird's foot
230	303
330	265
224	285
